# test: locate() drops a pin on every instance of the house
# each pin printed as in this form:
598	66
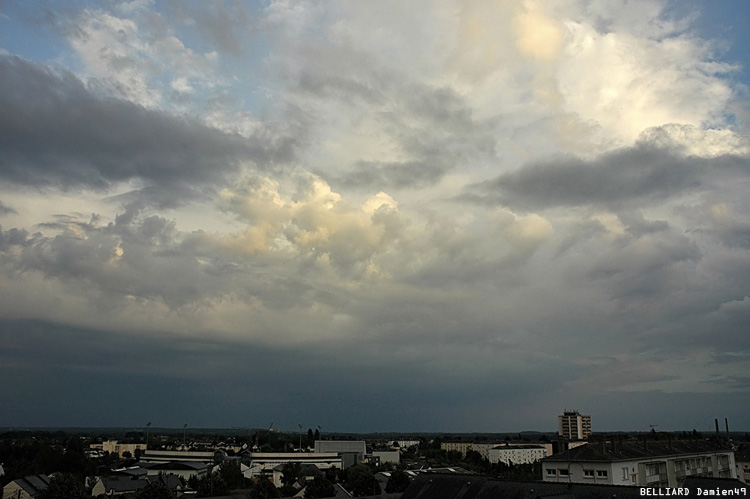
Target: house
649	463
117	485
27	487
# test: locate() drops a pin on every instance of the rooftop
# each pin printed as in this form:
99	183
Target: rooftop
619	451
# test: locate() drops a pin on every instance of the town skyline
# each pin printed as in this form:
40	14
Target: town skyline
434	215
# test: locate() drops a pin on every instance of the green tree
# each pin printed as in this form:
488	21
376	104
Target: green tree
290	473
211	485
319	487
155	490
397	482
264	489
232	475
310	438
65	486
361	481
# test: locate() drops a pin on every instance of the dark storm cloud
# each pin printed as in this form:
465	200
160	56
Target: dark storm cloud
218	379
54	131
640	174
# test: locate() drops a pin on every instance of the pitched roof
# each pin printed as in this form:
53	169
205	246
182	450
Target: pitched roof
177	465
436	486
620	451
122	483
32	484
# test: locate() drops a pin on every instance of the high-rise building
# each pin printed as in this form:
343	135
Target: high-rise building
571	425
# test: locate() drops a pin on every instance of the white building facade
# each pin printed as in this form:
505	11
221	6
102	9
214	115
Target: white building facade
649	465
517	454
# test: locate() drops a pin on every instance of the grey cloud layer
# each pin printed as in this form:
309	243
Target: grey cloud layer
54	131
626	178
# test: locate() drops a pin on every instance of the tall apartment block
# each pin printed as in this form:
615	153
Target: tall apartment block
571	425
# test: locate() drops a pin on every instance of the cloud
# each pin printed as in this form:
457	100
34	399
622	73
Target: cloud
5	209
58	132
638	176
487	211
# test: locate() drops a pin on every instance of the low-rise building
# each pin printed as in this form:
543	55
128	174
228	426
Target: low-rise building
115	447
27	487
517	454
270	464
350	451
166	456
117	485
387	456
646	463
483	448
181	469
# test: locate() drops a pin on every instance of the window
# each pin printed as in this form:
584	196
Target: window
563	472
625	473
601	473
551	472
588	473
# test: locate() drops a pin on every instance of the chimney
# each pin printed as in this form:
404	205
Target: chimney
726	424
717	425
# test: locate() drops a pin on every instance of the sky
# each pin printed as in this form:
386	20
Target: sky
436	216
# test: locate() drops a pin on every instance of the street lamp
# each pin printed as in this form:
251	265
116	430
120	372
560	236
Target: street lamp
148	427
300	438
184	429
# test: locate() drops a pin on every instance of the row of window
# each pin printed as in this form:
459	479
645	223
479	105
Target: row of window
563	472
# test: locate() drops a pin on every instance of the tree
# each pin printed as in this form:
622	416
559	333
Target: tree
65	486
155	490
310	438
232	476
398	482
290	473
319	487
264	489
361	481
211	485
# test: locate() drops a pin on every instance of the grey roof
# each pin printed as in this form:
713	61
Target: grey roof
135	471
620	451
33	484
521	446
177	465
435	486
122	483
171	481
